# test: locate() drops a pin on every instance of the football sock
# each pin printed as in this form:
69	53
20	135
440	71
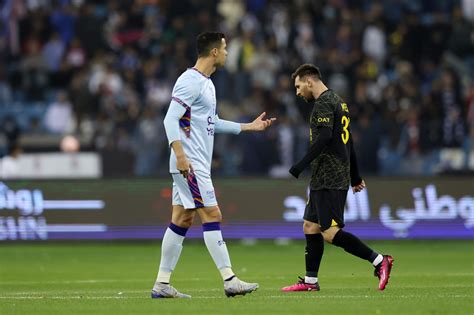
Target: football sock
217	248
378	259
313	255
171	247
310	280
353	245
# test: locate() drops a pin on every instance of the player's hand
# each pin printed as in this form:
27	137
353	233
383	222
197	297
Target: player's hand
184	166
357	188
260	123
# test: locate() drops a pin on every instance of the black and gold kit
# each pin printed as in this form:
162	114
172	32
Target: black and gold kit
333	162
332	159
331	169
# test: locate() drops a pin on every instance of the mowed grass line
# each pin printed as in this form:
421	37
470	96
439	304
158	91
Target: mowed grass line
430	277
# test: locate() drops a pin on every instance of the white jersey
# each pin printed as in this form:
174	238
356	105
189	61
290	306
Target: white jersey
196	93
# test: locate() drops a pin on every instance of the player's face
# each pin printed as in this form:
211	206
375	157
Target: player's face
221	55
303	89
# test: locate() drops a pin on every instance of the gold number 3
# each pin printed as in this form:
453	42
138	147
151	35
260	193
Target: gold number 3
345	123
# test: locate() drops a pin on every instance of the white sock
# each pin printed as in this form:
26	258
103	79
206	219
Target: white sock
310	280
171	248
218	249
377	260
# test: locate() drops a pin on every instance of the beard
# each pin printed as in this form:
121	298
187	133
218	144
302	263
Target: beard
219	64
309	98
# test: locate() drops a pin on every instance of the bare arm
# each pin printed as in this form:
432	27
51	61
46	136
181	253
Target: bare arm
182	163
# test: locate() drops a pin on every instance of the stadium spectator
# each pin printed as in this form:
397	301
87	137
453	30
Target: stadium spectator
53	52
59	116
384	57
9	165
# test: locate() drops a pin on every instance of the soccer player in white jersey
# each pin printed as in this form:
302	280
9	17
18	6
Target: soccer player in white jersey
190	124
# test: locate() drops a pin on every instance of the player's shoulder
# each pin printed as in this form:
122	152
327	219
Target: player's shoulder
190	81
327	101
331	97
193	75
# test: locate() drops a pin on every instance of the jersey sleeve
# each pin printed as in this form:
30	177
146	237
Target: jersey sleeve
171	121
322	139
354	167
323	115
184	94
185	91
226	126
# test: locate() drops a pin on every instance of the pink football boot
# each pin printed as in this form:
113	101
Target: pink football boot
301	286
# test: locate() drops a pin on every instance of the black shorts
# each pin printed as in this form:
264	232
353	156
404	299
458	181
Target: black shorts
326	207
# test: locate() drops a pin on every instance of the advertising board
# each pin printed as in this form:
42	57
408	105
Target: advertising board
435	208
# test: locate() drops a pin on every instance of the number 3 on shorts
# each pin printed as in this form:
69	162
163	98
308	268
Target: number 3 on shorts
345	123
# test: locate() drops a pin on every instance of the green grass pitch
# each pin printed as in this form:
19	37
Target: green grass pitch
429	277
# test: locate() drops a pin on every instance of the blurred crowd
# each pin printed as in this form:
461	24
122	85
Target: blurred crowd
104	70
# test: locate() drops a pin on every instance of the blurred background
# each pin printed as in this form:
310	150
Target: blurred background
103	71
84	87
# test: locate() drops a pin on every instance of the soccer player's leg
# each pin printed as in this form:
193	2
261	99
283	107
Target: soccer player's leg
313	252
211	218
171	247
332	222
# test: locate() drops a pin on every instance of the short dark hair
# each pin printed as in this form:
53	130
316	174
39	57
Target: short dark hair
207	41
307	69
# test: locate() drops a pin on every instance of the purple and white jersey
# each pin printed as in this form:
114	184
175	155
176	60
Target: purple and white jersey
192	118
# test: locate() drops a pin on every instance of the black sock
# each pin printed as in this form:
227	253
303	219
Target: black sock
314	253
353	245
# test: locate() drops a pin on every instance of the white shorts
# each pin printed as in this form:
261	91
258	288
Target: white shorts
196	191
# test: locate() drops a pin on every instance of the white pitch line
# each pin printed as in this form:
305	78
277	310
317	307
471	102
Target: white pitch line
123	293
93	281
70	297
259	278
367	296
311	296
74	281
114	280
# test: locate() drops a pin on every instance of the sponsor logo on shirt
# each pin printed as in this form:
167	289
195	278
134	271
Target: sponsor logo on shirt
210	126
210	194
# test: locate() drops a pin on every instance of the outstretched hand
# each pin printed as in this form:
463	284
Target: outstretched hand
259	124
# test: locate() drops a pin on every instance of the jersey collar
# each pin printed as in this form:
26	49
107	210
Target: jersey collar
193	68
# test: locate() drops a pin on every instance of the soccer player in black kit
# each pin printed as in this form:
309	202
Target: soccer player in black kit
334	166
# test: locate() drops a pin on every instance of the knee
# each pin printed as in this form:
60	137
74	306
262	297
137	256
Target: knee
329	234
327	237
310	228
216	217
184	221
211	215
